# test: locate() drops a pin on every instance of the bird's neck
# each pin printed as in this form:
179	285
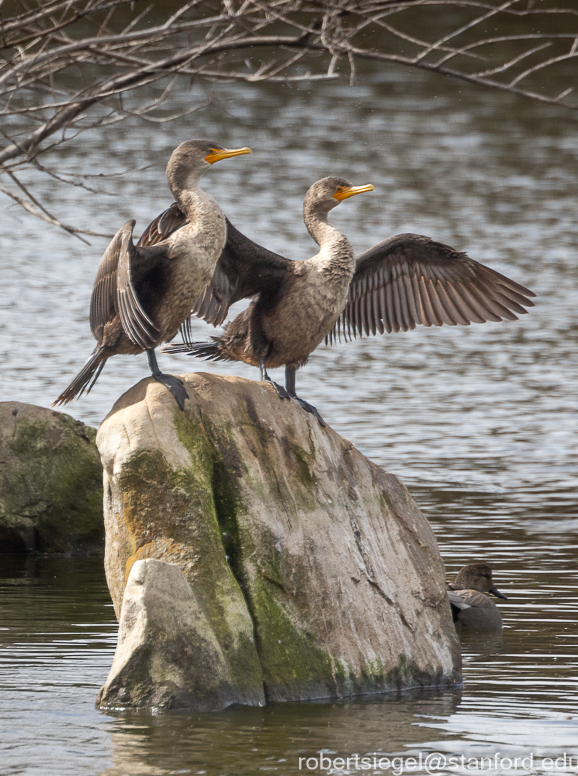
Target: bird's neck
191	200
335	250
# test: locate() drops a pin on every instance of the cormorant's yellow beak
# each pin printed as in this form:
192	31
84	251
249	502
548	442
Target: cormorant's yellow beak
344	193
225	153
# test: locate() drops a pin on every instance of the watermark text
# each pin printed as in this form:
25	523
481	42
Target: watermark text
435	762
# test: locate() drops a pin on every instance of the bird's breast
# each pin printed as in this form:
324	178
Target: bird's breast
305	314
193	257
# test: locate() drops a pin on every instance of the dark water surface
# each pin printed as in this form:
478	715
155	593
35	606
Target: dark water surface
479	422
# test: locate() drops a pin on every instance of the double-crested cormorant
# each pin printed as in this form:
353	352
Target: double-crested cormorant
470	607
298	305
143	294
404	281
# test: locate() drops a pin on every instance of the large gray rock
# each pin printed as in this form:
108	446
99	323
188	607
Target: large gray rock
282	524
50	482
168	655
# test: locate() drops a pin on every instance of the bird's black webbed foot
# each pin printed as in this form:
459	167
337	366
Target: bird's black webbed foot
310	408
175	386
282	393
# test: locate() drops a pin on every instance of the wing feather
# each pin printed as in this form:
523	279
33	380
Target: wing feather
474	304
437	303
492	304
508	302
377	312
389	308
453	311
365	312
409	280
417	300
431	317
383	310
168	222
461	304
103	300
413	316
135	322
397	305
408	322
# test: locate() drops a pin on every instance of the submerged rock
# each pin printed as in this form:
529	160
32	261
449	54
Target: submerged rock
306	560
50	482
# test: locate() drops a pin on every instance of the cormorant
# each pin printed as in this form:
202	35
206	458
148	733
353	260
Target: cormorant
403	281
141	294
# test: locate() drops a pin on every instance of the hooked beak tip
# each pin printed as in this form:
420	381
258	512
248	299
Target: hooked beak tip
227	153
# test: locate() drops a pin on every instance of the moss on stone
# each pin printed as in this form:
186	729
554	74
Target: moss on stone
191	509
289	655
51	483
264	525
294	665
305	461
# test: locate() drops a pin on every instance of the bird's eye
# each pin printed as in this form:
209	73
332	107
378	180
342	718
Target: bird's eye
339	188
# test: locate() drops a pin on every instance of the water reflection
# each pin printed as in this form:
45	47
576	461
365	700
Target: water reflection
480	422
246	741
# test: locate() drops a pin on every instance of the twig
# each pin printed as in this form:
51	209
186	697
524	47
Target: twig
70	66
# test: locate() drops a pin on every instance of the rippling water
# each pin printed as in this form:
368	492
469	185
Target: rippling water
479	422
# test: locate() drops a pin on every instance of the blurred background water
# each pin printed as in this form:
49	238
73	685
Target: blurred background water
479	422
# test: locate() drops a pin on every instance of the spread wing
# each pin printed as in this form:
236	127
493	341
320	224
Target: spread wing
135	322
114	292
243	270
409	280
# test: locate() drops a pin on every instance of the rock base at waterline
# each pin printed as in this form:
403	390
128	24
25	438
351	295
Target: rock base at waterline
312	568
168	655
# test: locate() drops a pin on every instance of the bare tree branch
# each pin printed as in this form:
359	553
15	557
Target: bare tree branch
69	66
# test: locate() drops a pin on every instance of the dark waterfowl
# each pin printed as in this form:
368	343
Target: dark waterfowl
470	607
142	294
404	281
298	301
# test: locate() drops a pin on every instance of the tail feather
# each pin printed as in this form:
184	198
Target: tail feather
210	351
84	380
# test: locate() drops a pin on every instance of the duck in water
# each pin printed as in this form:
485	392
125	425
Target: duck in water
470	606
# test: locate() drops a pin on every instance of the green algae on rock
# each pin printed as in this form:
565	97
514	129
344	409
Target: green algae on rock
50	482
316	571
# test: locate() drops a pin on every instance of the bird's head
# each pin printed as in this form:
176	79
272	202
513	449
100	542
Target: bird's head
478	576
327	193
193	158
